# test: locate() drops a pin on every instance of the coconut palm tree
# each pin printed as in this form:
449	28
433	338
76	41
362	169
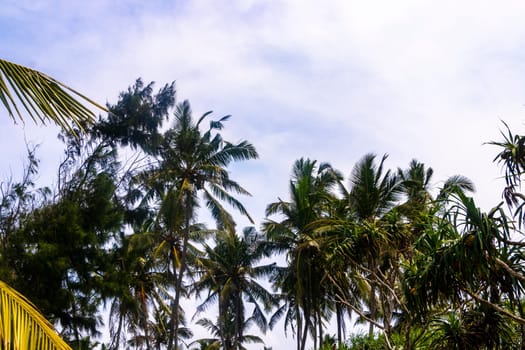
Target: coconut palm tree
193	167
229	275
217	330
370	200
300	282
137	281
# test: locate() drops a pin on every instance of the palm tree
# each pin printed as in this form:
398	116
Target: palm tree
229	275
42	97
216	343
300	281
194	163
370	201
139	281
512	159
416	186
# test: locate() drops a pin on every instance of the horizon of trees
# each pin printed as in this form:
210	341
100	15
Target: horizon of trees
422	267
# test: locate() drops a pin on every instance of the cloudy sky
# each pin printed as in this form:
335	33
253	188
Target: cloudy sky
330	80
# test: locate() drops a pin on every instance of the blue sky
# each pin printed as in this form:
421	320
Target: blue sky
328	80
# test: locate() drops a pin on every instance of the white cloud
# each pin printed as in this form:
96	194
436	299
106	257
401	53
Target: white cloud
330	81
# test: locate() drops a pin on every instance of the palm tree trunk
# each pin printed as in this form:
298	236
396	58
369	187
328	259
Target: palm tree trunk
222	323
174	331
174	336
314	329
372	302
373	308
320	329
146	335
239	321
305	334
408	343
338	315
119	330
299	327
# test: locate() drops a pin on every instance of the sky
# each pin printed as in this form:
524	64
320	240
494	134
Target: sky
330	80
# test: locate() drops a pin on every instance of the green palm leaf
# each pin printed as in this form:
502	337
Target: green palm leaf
42	97
22	326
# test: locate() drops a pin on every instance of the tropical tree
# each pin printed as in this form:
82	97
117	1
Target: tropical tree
135	122
300	281
512	159
43	98
464	267
229	275
136	286
193	163
219	339
370	201
54	247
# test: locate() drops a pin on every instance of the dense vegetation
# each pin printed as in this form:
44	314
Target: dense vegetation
419	267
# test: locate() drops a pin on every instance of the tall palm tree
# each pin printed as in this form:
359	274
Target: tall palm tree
372	196
512	159
416	186
193	166
229	274
139	280
42	97
217	330
300	282
419	211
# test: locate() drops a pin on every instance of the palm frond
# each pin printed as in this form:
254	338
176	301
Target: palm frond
22	326
42	97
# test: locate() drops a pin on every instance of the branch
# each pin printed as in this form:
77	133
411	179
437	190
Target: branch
518	244
379	281
360	313
494	306
510	270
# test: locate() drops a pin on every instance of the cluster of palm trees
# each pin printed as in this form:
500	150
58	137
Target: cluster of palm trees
168	247
347	248
422	267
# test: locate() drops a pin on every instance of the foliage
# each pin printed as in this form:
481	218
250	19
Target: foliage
22	326
229	275
422	267
42	97
55	246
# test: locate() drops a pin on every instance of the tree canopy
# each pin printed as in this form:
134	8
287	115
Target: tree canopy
419	266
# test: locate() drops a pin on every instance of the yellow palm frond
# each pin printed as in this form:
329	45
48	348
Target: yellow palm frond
22	327
42	97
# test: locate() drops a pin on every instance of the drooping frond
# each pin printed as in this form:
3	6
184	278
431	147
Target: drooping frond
42	97
22	326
